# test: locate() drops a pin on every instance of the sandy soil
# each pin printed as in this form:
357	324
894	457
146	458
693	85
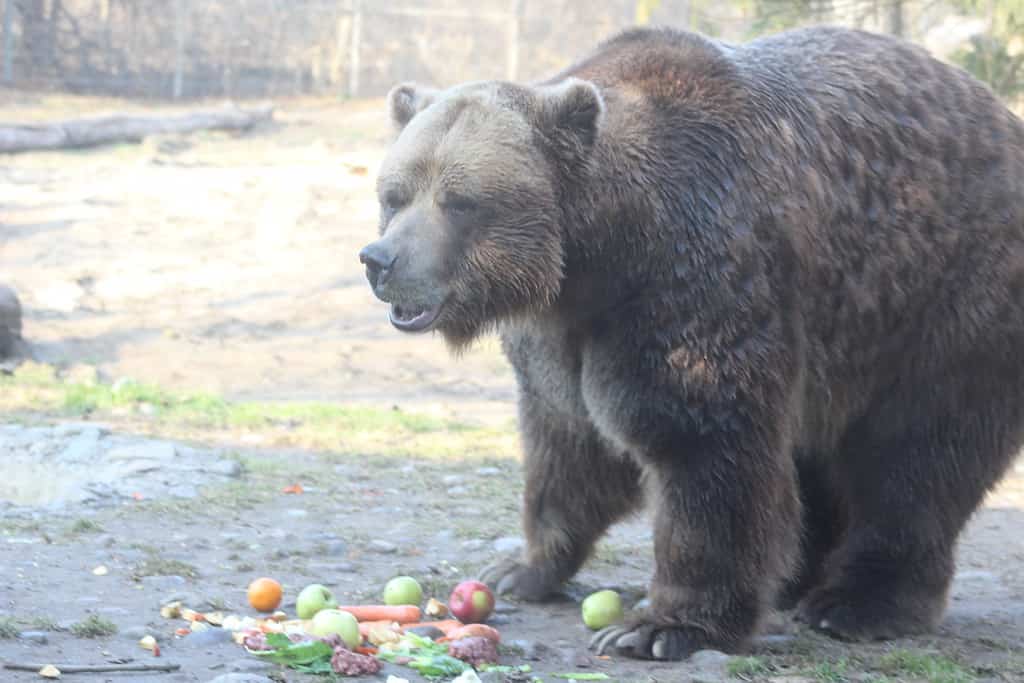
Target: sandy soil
225	263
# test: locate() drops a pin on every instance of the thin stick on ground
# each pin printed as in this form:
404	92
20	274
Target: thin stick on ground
93	668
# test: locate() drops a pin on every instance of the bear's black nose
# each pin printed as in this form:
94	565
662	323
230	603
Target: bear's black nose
378	261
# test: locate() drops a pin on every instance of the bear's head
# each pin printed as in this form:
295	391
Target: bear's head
471	202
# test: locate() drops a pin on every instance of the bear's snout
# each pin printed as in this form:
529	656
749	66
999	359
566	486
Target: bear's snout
378	259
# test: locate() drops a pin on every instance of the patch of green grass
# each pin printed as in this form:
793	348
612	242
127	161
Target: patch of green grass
42	624
156	565
8	629
94	627
748	667
348	429
17	526
84	526
932	668
830	672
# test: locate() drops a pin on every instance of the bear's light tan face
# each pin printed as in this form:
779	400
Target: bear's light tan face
471	218
467	215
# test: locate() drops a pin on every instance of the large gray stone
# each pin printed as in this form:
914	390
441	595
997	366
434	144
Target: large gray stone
37	637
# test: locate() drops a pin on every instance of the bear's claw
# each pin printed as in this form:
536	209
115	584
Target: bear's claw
510	576
646	641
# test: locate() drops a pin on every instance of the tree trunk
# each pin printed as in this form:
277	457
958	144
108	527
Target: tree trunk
896	17
91	132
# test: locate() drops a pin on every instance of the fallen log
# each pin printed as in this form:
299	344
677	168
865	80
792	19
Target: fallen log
102	130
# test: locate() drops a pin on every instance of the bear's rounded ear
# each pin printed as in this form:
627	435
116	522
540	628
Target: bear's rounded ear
573	106
406	100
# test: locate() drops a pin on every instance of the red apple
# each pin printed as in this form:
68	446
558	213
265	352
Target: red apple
471	602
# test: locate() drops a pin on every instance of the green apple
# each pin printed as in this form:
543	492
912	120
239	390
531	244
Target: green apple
330	622
312	599
403	590
601	609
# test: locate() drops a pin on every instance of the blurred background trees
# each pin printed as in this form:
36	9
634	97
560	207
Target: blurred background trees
253	48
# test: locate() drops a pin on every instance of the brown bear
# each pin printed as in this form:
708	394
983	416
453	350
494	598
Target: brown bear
775	290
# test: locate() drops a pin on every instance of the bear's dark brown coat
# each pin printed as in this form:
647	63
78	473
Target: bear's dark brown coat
776	289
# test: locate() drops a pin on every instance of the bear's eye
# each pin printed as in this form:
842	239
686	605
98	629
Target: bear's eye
459	205
393	200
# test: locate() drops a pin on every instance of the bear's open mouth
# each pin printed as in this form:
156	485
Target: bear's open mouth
414	318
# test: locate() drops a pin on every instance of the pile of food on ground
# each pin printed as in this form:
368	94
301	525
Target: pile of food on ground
438	641
324	637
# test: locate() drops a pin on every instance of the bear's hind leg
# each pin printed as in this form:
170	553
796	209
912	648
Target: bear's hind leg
908	499
575	489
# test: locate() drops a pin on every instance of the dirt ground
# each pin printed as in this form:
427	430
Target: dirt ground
227	264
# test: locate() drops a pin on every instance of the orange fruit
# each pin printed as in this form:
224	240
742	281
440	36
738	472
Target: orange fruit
265	594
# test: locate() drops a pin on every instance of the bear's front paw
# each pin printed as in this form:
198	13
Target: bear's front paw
643	640
510	576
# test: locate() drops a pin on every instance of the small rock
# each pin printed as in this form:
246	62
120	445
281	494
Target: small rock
508	544
186	599
66	624
207	637
336	549
37	637
580	660
710	662
488	471
474	544
456	491
228	468
499	619
383	547
492	677
296	513
452	479
240	678
532	650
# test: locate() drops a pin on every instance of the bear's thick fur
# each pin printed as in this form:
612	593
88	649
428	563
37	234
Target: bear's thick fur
776	290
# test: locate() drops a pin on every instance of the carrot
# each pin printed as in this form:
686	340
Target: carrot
473	631
366	626
445	625
366	650
403	614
